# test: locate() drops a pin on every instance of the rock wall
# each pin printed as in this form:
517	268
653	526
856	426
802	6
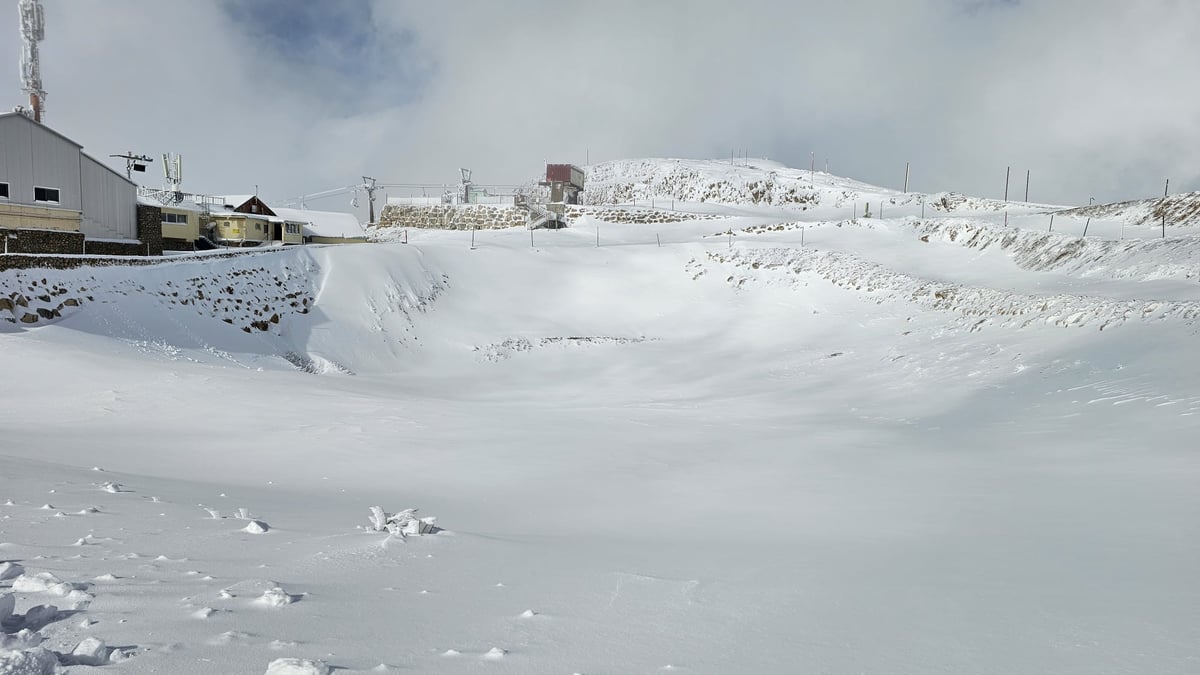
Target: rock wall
67	243
635	216
451	217
485	217
40	241
149	229
116	248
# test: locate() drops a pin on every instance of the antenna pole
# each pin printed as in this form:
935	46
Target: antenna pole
133	163
33	31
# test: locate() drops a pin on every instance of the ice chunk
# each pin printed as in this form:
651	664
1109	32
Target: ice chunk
296	667
90	652
10	570
275	597
35	583
256	527
36	661
38	616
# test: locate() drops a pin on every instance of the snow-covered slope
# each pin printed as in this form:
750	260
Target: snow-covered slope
789	442
757	182
1180	209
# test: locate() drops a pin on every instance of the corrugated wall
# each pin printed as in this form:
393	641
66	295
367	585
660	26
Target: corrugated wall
15	159
109	202
55	165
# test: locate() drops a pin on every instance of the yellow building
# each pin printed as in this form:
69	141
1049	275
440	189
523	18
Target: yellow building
182	222
245	220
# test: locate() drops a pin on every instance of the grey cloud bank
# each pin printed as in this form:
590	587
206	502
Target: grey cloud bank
1092	97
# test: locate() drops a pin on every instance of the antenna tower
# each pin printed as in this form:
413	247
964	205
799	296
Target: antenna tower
33	31
173	170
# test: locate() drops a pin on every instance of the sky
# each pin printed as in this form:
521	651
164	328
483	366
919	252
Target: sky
1093	98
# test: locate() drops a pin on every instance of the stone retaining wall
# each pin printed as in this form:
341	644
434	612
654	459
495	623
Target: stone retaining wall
42	241
451	217
485	217
635	216
64	262
149	229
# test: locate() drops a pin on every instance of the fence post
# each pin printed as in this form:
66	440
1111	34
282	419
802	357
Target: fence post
1051	223
658	239
1085	226
597	236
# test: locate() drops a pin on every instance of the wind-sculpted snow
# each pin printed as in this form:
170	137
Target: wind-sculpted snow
1181	209
1133	259
978	306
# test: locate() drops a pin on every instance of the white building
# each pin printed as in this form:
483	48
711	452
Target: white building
47	182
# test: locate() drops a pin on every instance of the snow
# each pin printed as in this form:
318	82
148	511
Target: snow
296	667
908	445
324	223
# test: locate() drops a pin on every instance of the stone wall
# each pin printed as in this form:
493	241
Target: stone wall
635	216
67	262
484	217
42	241
113	248
170	244
149	229
451	217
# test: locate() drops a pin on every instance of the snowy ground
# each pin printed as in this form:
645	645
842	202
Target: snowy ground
889	450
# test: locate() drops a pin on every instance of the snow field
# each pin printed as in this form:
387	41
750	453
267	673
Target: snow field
699	457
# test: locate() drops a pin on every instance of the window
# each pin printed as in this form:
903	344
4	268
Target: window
175	218
293	228
45	194
3	190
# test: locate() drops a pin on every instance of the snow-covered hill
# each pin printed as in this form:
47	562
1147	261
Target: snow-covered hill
790	440
756	182
1179	210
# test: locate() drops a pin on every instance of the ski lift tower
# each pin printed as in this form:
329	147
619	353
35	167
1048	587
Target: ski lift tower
33	31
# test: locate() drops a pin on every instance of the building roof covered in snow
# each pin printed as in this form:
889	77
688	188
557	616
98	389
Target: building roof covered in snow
327	224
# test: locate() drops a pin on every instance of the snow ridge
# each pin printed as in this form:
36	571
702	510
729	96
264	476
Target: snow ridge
983	306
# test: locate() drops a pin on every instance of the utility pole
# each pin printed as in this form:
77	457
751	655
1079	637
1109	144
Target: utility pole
1166	187
906	178
812	169
134	163
1026	186
1007	172
369	186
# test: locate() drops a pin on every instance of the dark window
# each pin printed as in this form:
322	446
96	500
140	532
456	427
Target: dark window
3	190
43	194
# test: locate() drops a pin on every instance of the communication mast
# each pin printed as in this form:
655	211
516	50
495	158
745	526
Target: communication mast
173	170
33	31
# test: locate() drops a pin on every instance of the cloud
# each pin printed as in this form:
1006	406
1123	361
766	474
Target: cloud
1091	96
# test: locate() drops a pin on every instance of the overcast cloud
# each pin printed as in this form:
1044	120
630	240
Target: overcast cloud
1095	97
